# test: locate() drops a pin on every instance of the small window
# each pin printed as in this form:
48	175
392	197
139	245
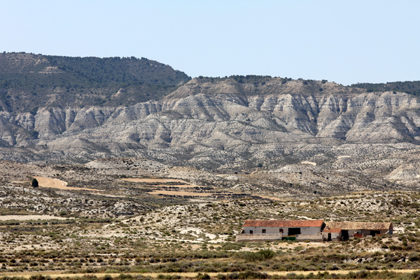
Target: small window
281	230
251	232
263	230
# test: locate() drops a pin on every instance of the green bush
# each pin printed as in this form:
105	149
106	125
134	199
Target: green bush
203	276
232	246
261	255
416	275
252	275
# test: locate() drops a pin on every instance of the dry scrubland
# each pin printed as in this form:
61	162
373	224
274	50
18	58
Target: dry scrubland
109	222
165	169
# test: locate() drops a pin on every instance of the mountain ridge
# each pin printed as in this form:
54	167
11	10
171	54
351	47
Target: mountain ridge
29	81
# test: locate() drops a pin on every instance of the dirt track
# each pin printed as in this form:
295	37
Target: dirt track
30	217
180	193
149	180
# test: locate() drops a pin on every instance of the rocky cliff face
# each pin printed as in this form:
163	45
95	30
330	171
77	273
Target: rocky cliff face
216	124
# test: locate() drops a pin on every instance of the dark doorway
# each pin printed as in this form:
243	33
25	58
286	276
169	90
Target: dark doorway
251	232
345	235
329	236
374	232
294	231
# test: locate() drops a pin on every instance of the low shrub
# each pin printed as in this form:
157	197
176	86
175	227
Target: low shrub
261	255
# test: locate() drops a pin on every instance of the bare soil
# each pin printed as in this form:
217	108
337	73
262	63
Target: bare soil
56	274
57	184
151	180
175	193
30	217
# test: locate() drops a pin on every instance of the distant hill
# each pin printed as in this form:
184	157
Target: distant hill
313	136
408	87
28	81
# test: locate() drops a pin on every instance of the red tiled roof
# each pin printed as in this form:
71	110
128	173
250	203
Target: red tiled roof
359	225
283	223
335	230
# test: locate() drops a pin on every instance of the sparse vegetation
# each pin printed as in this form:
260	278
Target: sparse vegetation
410	87
95	81
189	238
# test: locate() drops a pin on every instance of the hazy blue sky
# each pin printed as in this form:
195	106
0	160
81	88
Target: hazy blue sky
341	41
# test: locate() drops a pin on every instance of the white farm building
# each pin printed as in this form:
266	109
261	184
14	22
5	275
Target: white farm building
312	230
277	229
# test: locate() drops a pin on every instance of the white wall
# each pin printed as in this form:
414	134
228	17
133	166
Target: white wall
310	230
303	230
257	230
312	237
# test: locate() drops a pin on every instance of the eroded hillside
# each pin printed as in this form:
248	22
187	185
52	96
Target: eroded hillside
274	136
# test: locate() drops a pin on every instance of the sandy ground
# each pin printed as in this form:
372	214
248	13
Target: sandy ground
340	157
30	217
32	247
56	274
196	231
304	245
148	180
57	184
161	182
20	182
271	197
179	186
174	186
181	193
